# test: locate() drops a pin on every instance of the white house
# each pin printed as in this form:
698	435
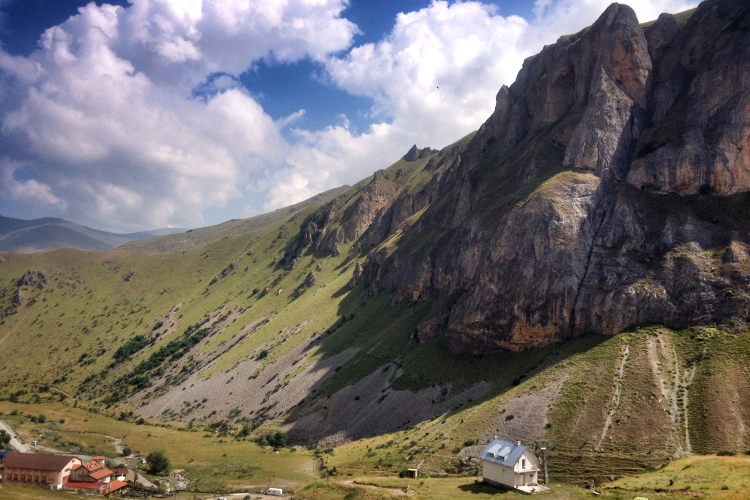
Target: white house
512	465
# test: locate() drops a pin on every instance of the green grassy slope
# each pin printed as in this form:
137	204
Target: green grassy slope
132	331
195	237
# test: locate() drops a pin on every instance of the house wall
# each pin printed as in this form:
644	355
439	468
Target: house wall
38	476
513	476
498	473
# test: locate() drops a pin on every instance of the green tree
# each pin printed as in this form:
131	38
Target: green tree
157	462
4	439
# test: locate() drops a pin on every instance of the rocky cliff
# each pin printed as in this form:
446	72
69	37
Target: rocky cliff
607	190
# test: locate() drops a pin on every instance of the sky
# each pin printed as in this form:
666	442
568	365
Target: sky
140	114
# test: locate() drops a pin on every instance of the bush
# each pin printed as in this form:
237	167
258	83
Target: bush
277	440
41	419
725	453
157	462
126	451
4	439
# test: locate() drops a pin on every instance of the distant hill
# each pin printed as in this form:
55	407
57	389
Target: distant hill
195	237
24	236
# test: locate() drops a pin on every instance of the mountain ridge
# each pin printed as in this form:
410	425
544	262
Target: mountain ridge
517	282
49	233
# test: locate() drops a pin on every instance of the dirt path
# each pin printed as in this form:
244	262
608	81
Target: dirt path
13	330
16	444
14	441
399	492
659	356
116	443
615	404
688	379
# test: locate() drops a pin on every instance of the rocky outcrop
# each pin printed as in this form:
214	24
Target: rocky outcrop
593	198
415	153
33	278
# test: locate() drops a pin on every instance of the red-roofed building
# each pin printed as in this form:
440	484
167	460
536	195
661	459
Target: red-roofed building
82	485
112	486
103	475
123	473
36	468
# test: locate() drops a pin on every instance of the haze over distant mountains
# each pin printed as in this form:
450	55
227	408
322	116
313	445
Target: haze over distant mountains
24	236
49	233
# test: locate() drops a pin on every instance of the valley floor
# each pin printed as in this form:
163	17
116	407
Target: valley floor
243	466
707	476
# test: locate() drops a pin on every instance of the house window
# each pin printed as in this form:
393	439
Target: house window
523	463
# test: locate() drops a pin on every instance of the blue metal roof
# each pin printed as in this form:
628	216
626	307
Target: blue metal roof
502	452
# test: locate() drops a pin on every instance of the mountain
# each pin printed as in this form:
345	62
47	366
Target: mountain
17	235
194	237
574	274
607	190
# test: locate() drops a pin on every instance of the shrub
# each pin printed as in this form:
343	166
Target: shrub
157	462
4	439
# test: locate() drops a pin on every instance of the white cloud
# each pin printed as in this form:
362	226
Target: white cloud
103	114
133	117
433	79
29	191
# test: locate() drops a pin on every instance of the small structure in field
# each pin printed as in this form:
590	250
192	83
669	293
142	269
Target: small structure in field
511	465
412	473
275	491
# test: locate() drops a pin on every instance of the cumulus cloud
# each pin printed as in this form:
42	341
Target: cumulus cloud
433	79
134	115
27	191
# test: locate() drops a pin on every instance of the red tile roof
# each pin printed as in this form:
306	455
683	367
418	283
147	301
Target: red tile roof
80	484
98	457
101	473
36	461
114	486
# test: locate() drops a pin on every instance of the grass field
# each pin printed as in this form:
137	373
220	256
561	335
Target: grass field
223	464
212	462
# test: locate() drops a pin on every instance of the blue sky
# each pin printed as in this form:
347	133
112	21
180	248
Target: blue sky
153	113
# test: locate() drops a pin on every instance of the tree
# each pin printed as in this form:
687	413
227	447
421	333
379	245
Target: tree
157	462
4	439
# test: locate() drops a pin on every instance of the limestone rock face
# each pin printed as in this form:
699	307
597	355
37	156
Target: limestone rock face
593	198
698	136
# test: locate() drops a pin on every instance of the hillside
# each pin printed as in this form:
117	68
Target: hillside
195	237
18	235
574	274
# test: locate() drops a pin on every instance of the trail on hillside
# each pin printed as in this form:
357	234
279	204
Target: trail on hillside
616	397
15	442
13	330
688	379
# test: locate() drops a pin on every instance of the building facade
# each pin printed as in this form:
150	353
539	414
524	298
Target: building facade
508	464
39	469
